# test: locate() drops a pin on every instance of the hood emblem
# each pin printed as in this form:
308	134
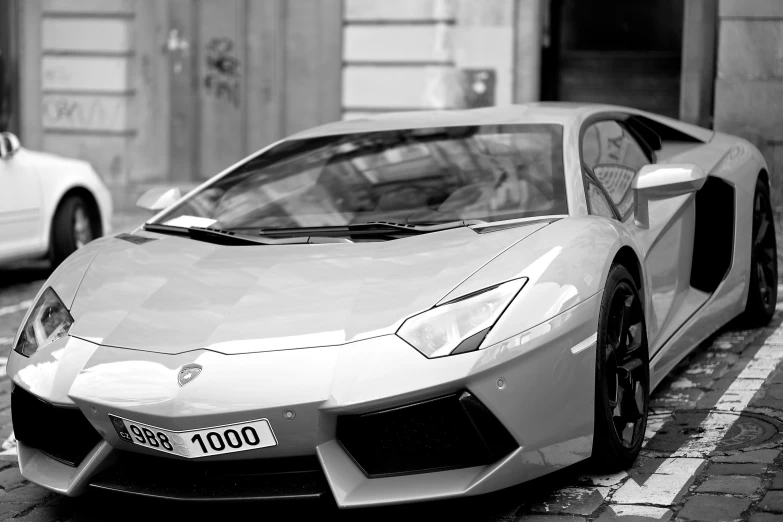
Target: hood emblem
188	373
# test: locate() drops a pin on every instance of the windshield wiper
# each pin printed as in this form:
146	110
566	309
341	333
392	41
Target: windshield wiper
305	235
226	237
370	227
436	227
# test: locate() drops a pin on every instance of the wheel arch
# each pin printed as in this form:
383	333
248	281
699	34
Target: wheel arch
567	263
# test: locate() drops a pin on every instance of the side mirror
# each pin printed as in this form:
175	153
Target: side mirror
158	198
663	182
9	145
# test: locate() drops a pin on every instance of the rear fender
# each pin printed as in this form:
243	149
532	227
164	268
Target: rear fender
740	165
740	162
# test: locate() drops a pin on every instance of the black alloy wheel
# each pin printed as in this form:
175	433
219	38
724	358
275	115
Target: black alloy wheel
622	384
763	287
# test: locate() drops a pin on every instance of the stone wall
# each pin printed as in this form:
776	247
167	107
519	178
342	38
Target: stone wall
90	88
426	54
155	92
86	99
749	83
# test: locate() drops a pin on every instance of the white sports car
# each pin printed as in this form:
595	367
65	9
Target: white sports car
400	308
50	206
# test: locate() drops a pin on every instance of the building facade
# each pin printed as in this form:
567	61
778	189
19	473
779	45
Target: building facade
156	92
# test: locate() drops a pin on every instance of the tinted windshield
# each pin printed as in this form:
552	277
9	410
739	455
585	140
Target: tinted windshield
417	176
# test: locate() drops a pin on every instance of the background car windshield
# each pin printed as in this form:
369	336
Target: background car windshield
416	176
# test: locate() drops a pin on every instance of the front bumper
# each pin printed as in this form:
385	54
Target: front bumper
533	384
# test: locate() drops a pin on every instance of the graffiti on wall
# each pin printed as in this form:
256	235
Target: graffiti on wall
84	112
222	70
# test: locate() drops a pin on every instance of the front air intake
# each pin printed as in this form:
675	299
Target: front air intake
64	434
455	431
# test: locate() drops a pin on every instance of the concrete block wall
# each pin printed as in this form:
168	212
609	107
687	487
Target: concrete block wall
749	82
407	54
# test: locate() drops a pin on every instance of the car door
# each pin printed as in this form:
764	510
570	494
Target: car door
614	155
20	204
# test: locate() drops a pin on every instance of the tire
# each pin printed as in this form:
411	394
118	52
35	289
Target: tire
73	227
622	374
763	286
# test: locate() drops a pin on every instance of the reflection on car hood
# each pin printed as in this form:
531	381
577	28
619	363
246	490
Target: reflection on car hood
173	295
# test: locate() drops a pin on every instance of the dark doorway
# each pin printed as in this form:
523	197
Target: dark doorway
615	51
8	65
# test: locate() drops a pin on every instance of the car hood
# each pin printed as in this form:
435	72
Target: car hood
173	294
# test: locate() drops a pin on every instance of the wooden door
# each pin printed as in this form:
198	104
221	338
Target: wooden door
615	51
221	90
244	73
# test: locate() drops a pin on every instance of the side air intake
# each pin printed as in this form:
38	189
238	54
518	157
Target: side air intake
714	236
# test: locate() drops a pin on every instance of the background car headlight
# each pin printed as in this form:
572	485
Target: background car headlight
459	326
48	321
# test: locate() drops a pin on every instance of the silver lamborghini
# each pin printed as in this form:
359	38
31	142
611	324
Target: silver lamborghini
399	308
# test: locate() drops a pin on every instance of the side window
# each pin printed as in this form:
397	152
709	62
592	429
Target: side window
596	201
615	157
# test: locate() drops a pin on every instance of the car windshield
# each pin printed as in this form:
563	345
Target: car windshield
414	176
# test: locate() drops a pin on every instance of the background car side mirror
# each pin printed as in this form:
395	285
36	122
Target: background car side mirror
662	182
9	145
158	198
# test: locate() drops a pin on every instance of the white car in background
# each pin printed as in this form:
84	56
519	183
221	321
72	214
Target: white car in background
50	206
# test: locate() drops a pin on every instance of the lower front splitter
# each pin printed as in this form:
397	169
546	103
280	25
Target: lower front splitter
258	480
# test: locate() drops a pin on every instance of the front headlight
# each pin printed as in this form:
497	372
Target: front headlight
459	326
48	321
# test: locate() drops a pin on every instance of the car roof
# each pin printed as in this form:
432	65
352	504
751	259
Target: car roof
563	113
567	114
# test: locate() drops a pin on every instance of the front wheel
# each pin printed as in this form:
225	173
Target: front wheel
622	374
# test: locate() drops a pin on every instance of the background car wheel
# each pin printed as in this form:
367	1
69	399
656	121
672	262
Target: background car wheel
622	374
763	289
72	228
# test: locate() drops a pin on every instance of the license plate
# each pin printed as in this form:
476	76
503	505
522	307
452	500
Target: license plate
217	440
